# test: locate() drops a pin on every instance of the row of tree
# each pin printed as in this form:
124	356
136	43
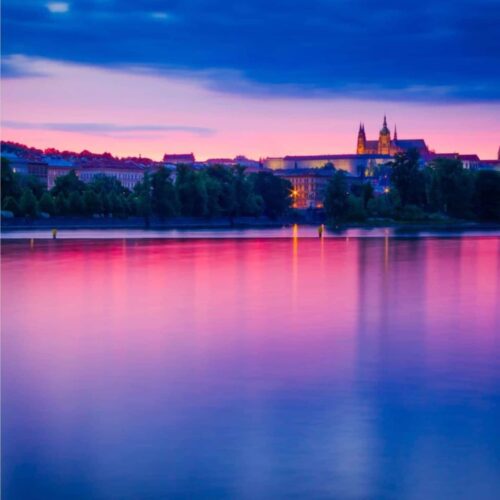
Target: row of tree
215	191
442	189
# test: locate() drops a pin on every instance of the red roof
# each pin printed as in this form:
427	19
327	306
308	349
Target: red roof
178	157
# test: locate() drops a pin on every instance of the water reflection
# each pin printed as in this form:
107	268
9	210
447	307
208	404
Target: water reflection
261	368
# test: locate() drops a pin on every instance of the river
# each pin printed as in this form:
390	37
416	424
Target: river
251	367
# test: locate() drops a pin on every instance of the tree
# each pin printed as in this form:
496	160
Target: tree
274	192
214	190
9	181
106	184
144	203
116	205
76	205
487	195
62	207
163	195
355	209
247	201
337	197
67	184
10	205
367	194
28	205
407	178
452	187
34	184
193	191
92	202
221	184
47	204
382	205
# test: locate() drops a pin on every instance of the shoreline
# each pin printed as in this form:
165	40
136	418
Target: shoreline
237	223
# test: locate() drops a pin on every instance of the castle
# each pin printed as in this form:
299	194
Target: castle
387	146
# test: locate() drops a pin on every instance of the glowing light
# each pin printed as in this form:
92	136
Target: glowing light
387	190
58	7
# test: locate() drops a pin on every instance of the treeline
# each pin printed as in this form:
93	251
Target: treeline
215	191
441	190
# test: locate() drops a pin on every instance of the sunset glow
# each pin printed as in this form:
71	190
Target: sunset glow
79	107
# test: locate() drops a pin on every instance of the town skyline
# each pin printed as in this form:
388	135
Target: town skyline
63	130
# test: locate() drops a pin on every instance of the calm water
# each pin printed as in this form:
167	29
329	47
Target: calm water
353	368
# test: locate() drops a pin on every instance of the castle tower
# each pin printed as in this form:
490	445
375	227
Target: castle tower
384	139
361	146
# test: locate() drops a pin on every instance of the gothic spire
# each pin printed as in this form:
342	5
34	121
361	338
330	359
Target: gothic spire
395	133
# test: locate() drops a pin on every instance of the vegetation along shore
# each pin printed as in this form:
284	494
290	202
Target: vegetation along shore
441	193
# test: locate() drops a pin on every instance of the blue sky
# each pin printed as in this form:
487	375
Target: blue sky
390	49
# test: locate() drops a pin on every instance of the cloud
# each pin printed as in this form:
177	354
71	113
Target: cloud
18	66
162	16
427	50
105	128
58	7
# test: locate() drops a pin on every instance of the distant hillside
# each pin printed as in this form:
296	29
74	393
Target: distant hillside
28	153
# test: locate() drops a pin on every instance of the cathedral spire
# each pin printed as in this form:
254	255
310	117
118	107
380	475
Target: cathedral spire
384	139
361	143
395	133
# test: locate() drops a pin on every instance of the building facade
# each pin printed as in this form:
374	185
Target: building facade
128	176
34	168
308	185
351	163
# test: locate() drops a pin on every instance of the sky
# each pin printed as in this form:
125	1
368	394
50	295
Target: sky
259	78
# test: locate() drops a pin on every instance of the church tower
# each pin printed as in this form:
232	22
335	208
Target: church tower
361	147
384	139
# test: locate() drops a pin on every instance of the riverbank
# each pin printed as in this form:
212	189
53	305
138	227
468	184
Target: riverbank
22	223
76	223
274	231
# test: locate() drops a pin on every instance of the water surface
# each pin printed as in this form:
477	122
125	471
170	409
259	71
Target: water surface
251	368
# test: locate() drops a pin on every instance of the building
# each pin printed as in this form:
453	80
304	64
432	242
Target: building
350	163
179	159
385	145
470	161
55	171
308	185
490	164
127	175
232	162
24	166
